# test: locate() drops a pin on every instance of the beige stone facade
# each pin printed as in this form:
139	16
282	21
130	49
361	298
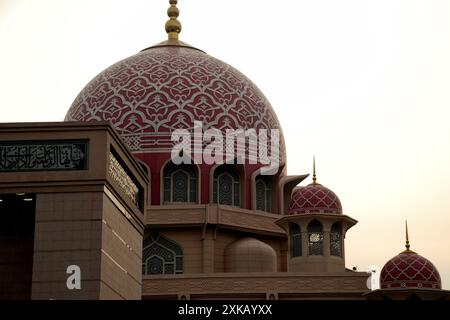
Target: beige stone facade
92	216
234	253
270	286
82	217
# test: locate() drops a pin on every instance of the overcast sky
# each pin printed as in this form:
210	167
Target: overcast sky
363	85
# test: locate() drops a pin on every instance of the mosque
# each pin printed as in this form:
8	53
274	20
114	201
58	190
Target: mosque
101	192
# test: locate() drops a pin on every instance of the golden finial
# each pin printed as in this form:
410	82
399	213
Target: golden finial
314	170
407	237
173	26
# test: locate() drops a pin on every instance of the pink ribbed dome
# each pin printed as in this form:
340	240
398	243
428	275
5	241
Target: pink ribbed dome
314	198
409	270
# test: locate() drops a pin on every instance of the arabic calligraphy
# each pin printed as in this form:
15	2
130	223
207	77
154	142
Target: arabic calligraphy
124	181
43	155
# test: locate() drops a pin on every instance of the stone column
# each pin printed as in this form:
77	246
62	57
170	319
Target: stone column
326	244
208	251
305	241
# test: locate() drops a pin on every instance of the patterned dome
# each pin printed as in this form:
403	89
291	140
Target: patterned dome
314	198
409	270
168	87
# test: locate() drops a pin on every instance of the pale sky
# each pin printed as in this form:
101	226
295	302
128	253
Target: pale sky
363	85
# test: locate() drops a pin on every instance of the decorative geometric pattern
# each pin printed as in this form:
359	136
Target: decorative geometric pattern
409	270
161	256
335	241
263	195
158	90
314	198
180	183
315	238
227	186
180	186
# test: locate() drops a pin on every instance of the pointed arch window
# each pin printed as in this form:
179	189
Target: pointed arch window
180	183
227	186
161	256
263	194
315	238
335	240
296	240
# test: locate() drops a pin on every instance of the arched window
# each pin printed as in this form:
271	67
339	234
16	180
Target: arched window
263	195
180	183
161	256
315	238
227	186
335	240
296	240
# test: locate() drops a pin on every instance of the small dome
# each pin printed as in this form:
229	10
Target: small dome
250	255
314	198
409	270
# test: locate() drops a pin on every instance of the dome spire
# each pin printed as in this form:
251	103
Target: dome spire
314	170
173	26
407	237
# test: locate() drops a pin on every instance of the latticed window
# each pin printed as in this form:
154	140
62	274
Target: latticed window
263	195
315	238
335	240
227	186
161	256
180	183
296	240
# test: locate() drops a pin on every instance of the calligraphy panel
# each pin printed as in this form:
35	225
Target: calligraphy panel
16	156
125	182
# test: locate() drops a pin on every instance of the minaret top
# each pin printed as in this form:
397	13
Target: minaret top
314	170
173	26
407	237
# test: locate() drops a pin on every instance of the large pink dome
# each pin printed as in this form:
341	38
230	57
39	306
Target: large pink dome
167	87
